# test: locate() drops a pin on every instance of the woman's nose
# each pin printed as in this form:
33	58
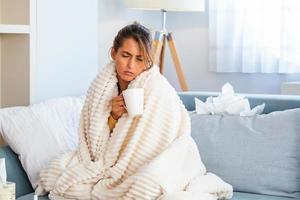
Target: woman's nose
130	63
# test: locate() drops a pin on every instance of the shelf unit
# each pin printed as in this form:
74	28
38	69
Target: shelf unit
14	29
290	88
17	51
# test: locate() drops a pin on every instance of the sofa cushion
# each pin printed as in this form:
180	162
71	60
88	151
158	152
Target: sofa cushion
236	196
30	197
15	172
249	196
257	154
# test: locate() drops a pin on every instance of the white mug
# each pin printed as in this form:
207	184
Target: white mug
134	101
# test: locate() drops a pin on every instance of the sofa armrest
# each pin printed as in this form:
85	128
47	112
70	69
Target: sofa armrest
15	172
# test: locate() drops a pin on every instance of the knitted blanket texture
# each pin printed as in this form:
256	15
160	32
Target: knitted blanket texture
146	157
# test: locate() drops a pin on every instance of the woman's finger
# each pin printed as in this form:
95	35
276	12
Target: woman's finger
119	97
120	103
117	100
120	111
121	106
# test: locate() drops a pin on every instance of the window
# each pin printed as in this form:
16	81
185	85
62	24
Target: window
254	36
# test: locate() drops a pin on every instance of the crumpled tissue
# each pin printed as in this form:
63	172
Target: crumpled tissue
227	103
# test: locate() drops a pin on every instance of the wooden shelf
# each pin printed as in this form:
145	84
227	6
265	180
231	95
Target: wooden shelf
17	51
14	29
290	88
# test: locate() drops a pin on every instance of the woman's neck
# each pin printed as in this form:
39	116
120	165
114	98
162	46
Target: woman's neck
122	85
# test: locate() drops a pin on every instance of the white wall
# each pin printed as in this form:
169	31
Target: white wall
190	32
67	47
112	17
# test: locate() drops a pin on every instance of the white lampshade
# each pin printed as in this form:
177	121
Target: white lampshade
168	5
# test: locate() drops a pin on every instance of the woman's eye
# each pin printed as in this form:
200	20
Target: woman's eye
140	59
125	56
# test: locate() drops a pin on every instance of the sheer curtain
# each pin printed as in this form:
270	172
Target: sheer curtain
254	36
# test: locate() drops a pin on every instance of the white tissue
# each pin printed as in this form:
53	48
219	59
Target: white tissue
256	110
201	107
227	103
2	171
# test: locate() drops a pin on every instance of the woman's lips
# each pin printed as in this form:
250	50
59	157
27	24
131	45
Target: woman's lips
128	73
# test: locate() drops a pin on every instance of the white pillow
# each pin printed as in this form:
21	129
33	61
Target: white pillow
42	131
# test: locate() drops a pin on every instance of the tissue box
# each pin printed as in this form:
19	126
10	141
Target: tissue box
8	191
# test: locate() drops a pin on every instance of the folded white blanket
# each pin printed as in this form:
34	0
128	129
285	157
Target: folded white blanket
148	157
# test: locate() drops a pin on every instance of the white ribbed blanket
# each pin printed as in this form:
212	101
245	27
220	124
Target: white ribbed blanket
148	157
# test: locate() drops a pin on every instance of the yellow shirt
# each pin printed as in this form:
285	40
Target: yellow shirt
111	123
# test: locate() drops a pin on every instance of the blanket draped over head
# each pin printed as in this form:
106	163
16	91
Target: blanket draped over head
147	157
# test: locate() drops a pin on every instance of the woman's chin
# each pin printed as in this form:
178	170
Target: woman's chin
127	78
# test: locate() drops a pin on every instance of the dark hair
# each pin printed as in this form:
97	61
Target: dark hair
141	35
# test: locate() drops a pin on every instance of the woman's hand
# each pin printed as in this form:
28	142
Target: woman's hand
118	107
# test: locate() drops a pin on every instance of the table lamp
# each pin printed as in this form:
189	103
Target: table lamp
160	38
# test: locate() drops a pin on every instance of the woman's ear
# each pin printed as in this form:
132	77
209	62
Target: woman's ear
113	53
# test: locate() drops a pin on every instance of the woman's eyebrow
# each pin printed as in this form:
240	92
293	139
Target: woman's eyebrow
126	52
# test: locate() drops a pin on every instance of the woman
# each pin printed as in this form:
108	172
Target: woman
121	157
131	53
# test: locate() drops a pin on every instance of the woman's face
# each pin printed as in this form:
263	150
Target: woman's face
129	60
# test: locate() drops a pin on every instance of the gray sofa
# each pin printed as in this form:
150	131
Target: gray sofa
245	187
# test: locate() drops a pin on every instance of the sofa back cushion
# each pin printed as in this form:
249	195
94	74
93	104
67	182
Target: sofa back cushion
272	102
258	154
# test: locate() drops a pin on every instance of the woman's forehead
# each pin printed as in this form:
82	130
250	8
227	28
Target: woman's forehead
131	46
